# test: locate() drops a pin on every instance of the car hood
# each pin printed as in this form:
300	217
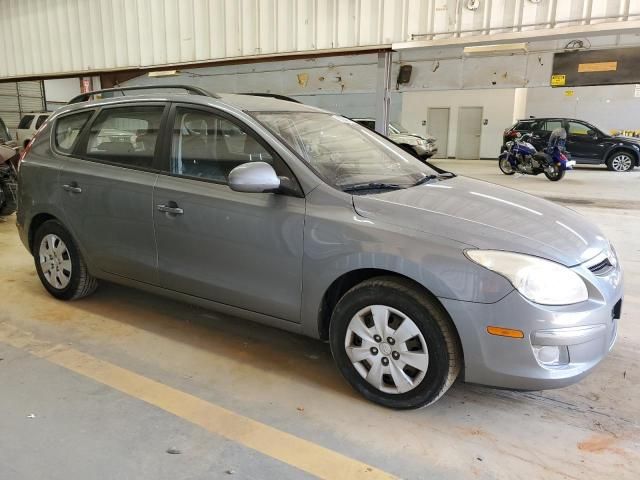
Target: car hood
488	216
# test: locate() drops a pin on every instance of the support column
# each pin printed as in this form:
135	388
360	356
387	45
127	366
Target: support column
383	84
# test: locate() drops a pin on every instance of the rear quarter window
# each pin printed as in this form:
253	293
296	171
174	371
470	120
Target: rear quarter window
68	128
25	122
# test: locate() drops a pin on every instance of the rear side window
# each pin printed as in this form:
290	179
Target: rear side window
523	126
25	122
125	136
68	130
41	120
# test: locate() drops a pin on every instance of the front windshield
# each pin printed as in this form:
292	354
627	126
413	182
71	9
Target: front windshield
344	153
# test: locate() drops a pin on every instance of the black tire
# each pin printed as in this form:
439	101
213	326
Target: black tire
620	162
557	175
81	282
10	205
502	164
444	352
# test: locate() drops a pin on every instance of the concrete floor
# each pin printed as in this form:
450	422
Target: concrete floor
77	399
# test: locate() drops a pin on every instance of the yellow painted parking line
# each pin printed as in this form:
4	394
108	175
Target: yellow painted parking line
297	452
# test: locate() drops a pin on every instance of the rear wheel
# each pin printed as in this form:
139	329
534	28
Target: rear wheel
61	268
505	166
553	172
620	162
394	344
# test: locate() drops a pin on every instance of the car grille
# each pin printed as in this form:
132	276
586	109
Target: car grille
602	268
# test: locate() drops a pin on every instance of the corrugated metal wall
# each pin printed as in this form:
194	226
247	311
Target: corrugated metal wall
48	37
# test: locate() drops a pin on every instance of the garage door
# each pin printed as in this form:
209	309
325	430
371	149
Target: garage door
18	98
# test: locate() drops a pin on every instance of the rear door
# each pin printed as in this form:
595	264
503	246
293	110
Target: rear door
238	249
107	184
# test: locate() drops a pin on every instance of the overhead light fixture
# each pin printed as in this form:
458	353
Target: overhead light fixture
163	73
499	49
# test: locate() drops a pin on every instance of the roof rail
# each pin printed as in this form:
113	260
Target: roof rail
83	97
273	95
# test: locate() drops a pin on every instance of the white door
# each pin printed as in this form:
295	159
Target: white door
438	126
469	131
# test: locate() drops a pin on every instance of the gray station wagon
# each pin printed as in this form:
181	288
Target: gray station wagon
304	220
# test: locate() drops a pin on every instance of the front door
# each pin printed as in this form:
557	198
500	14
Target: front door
108	187
438	126
469	132
238	249
583	143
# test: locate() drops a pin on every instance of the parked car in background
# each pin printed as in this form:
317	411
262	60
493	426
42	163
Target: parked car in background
29	125
586	143
302	219
422	147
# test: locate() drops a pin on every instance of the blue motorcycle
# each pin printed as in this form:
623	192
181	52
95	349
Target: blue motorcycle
520	156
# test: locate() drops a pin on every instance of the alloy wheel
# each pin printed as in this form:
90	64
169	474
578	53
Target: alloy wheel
55	261
387	349
621	163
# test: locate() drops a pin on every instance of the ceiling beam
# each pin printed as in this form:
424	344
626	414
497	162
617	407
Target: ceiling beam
598	29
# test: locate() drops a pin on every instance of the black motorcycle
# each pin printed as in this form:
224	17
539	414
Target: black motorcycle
8	180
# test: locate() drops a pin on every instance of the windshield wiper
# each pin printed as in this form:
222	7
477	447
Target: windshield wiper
371	186
427	178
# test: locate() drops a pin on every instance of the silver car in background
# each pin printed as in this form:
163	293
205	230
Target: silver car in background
301	219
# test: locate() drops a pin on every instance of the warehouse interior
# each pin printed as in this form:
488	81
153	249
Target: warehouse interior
146	378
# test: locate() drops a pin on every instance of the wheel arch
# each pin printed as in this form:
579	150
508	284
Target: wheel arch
35	223
623	148
348	280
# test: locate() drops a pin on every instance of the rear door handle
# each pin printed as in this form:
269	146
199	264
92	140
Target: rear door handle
171	209
73	188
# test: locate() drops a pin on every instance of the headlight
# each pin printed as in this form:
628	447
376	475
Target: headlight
541	281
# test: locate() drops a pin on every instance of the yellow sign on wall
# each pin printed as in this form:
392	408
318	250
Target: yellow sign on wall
598	67
558	80
568	93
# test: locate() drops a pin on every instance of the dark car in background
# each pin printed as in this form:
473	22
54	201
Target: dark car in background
586	143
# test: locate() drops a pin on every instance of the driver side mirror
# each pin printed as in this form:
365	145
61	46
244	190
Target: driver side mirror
254	177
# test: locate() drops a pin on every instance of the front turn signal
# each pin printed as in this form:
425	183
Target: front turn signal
505	332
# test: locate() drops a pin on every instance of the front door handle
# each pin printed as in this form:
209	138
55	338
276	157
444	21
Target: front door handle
172	209
73	188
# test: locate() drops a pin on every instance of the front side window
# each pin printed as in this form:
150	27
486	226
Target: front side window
576	128
25	122
125	136
209	146
68	128
344	153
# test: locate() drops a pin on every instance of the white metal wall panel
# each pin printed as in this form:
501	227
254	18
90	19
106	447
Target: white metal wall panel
47	37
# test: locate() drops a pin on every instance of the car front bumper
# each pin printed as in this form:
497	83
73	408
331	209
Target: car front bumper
580	334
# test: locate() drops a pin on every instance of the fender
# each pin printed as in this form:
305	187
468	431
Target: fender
617	146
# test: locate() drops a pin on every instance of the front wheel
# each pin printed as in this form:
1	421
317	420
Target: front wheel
620	162
554	173
394	343
505	166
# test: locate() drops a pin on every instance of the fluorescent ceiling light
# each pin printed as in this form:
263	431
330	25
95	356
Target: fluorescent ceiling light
163	73
499	49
